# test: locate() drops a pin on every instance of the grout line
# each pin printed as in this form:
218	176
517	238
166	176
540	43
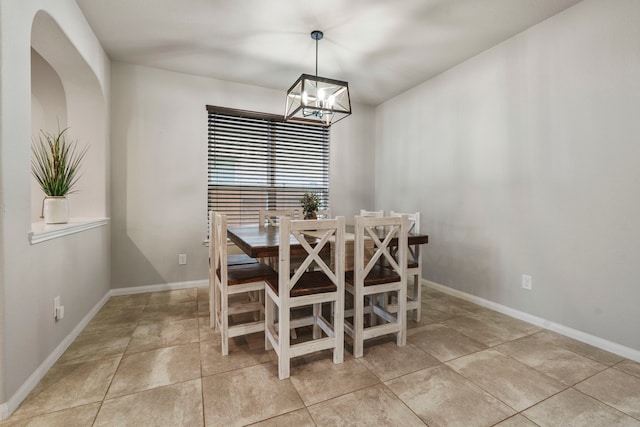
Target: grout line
204	412
615	366
285	413
150	389
604	403
403	402
95	417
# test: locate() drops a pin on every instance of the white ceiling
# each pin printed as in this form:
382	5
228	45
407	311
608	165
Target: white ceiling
381	47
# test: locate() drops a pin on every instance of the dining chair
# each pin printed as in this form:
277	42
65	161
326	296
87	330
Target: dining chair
414	268
270	217
232	259
303	286
376	275
371	214
226	281
324	213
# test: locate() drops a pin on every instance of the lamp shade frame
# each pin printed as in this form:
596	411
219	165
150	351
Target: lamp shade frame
308	111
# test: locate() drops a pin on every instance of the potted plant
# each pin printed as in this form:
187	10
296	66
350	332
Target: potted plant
55	165
310	203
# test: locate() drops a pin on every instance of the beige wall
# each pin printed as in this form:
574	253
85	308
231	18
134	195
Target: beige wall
159	168
74	267
523	160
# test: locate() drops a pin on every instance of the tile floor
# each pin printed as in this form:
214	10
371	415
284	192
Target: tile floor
151	359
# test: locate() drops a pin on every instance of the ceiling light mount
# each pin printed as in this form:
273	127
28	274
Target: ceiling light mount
317	100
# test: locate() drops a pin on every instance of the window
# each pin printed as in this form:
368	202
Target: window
257	160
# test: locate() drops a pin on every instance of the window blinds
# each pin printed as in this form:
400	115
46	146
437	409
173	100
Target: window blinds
257	160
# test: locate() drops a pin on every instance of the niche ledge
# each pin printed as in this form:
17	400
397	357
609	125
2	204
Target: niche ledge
41	232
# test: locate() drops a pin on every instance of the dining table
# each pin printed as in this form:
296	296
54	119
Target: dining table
264	242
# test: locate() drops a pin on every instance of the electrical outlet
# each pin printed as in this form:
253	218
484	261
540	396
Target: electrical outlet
527	282
182	259
56	304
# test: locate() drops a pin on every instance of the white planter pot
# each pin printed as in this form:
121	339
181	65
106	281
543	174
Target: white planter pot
56	210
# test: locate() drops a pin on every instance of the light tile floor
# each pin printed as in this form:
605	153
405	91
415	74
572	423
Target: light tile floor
151	359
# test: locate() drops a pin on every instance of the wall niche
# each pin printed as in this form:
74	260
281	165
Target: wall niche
65	92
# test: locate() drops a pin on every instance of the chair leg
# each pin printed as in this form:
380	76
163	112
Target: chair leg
284	363
358	322
215	314
338	329
417	295
294	334
212	306
372	315
224	323
269	319
261	299
385	300
255	296
402	316
317	332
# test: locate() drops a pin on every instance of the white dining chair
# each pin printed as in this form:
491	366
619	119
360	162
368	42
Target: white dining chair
271	217
371	214
376	275
232	259
414	268
306	286
324	214
233	280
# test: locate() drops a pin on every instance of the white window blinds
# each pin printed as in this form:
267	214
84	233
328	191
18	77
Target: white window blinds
257	160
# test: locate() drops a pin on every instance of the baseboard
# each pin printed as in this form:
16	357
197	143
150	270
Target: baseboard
584	337
158	288
7	408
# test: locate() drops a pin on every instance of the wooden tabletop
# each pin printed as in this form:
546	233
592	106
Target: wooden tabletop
262	242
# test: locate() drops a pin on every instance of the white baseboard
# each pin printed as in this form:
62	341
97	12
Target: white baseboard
8	407
593	340
26	387
158	288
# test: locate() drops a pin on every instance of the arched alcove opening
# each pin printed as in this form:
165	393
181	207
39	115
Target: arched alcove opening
65	92
48	112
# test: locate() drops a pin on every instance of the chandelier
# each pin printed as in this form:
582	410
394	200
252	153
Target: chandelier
317	100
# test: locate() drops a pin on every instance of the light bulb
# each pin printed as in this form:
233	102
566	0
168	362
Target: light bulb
332	100
321	94
305	98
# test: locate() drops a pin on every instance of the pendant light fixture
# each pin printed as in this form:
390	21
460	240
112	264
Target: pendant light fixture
317	100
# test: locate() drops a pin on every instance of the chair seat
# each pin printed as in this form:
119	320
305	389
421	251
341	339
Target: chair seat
314	282
240	274
378	275
240	259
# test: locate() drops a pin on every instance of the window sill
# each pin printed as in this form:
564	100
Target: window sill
41	232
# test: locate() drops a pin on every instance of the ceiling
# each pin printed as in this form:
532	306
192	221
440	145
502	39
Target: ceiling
381	47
